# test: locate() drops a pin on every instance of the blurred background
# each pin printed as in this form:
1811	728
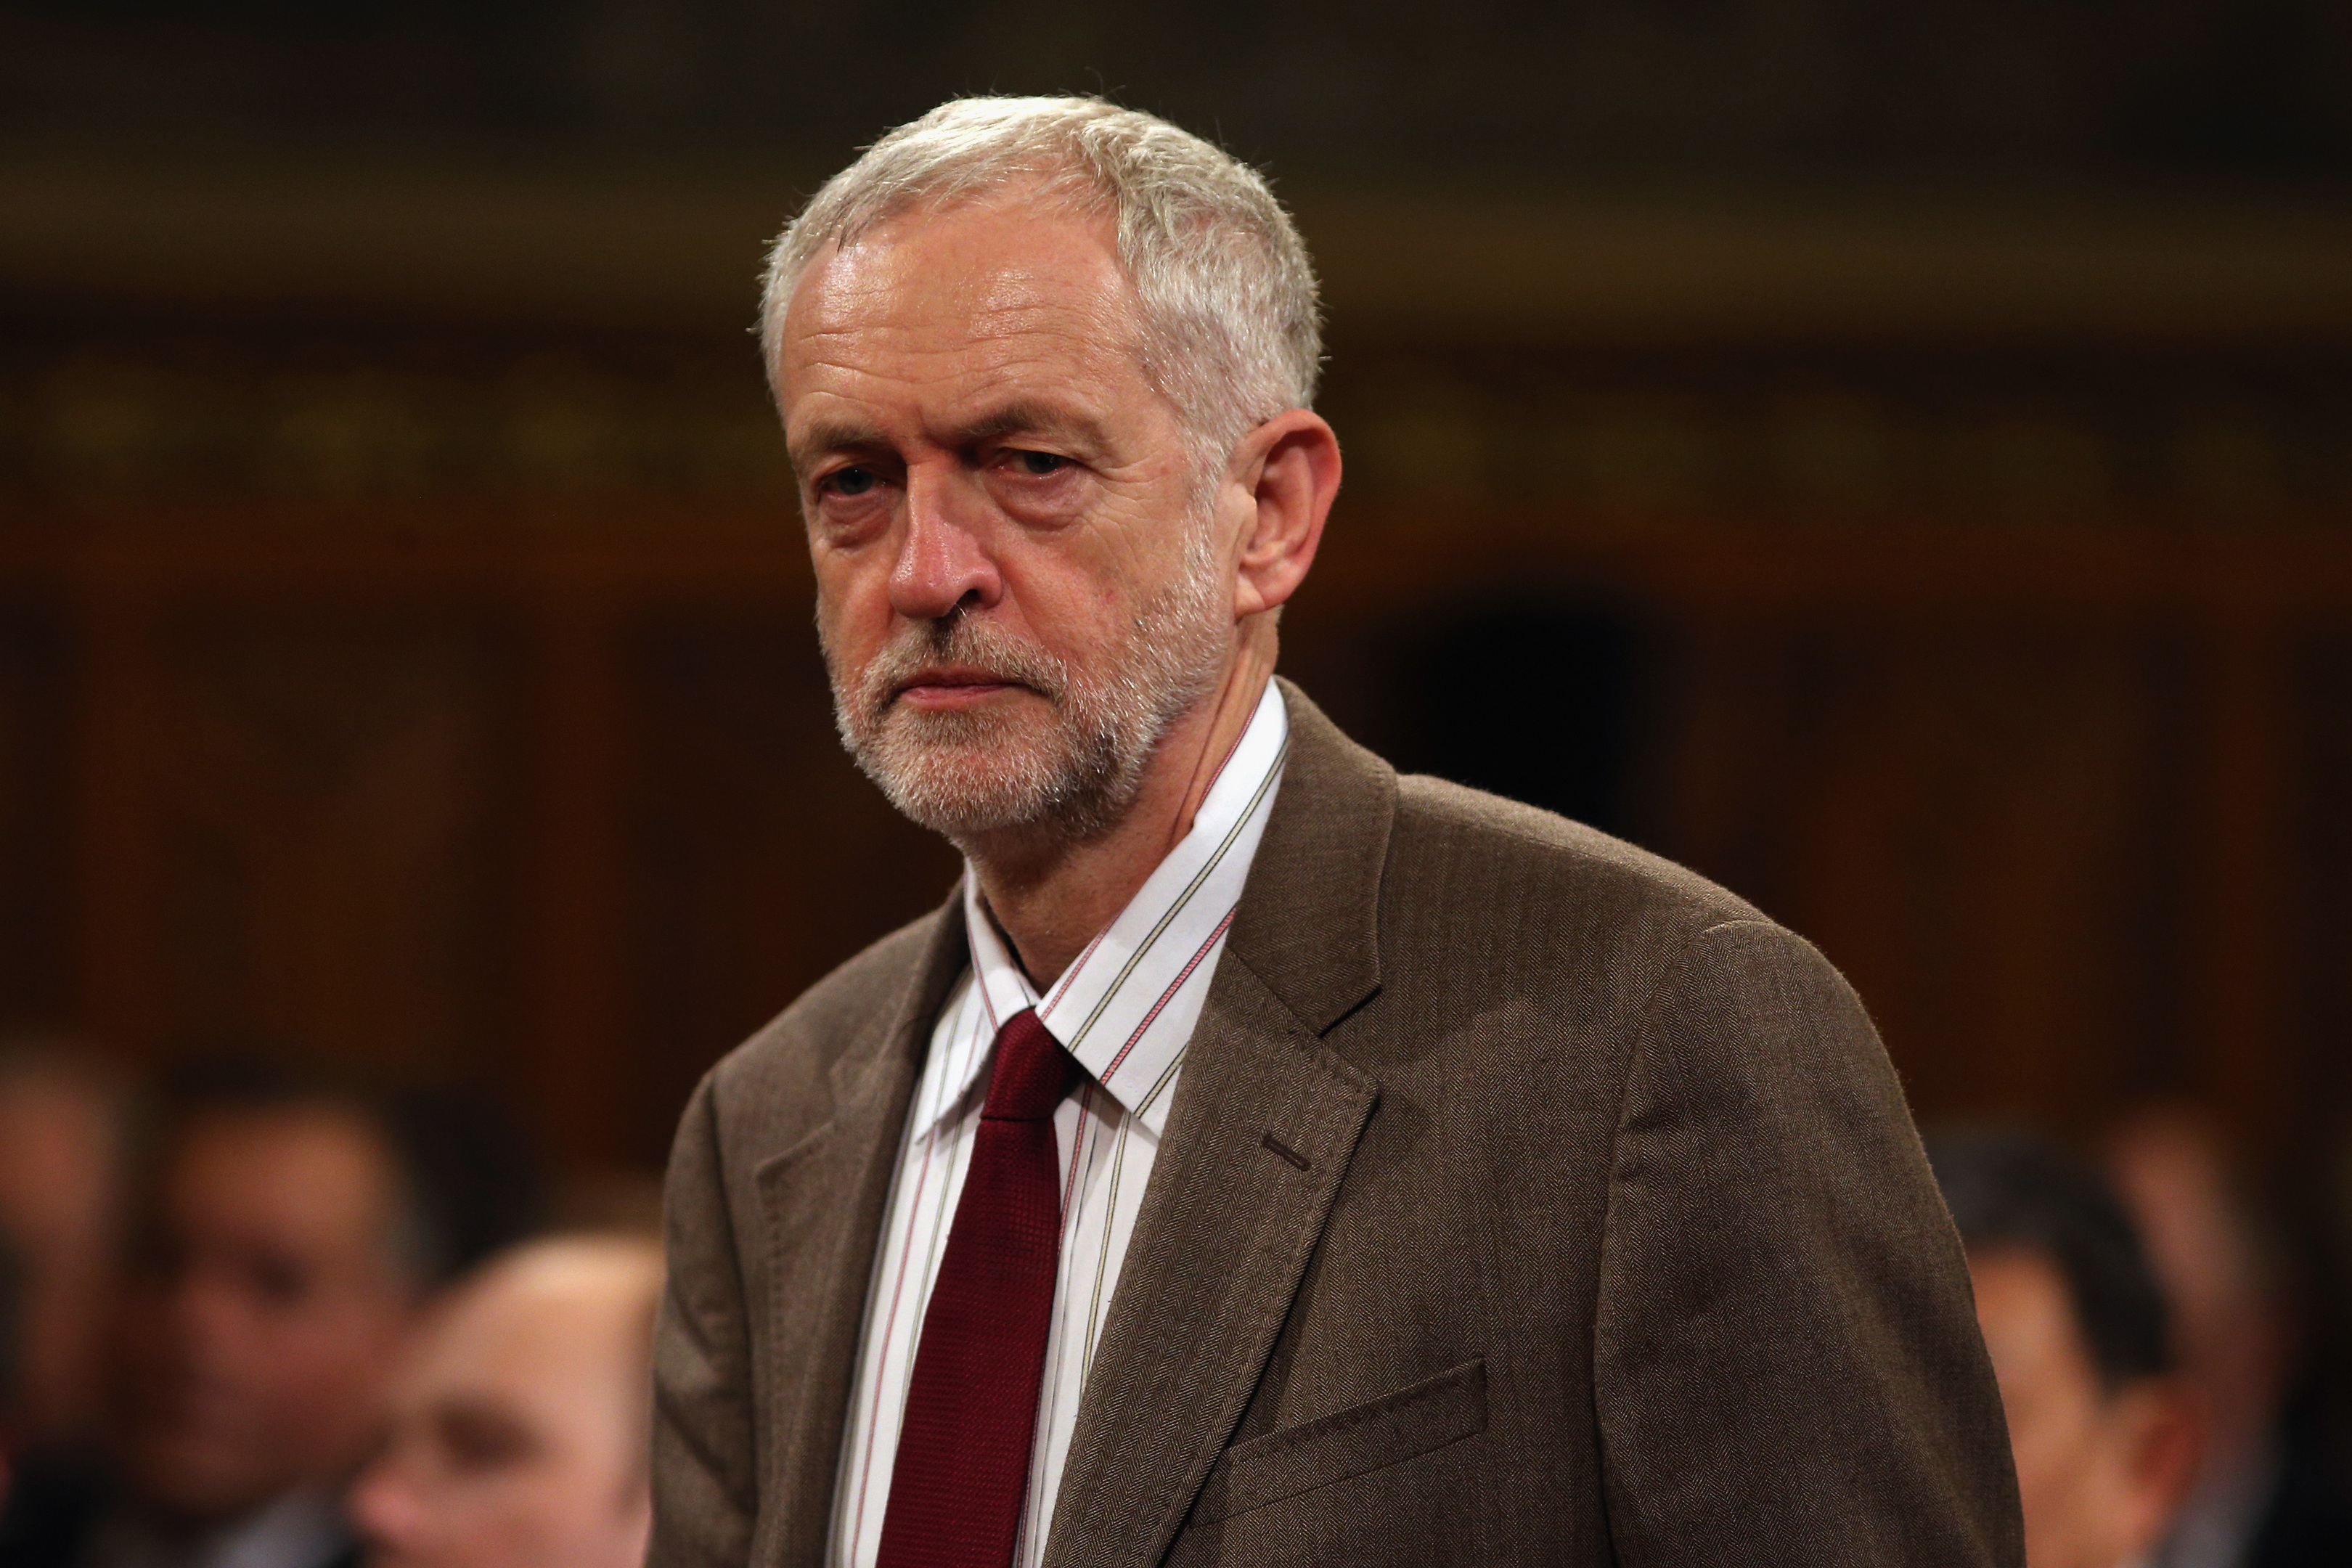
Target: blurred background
1897	459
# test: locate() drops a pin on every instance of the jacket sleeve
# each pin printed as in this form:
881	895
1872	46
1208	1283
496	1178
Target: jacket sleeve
705	1481
1787	1365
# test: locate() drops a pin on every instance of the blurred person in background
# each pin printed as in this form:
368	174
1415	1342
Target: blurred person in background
63	1134
2261	1499
520	1415
2104	1434
278	1261
286	1231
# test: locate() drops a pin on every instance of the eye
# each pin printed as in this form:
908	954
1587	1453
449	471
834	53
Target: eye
1039	464
279	1280
477	1438
850	481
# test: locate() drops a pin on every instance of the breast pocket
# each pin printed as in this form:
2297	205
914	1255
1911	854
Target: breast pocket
1353	1442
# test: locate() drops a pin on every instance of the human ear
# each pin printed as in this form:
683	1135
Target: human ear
2162	1431
1290	467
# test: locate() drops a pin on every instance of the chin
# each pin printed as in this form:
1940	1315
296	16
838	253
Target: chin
961	803
969	792
199	1486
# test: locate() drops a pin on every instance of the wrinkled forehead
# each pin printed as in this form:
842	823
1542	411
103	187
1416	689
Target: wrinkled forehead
971	281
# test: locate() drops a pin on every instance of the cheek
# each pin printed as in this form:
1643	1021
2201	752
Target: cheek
544	1515
353	1338
327	1372
1077	598
853	607
2057	1483
486	1524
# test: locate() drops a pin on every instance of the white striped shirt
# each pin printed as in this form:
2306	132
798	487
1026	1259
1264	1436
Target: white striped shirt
1125	1009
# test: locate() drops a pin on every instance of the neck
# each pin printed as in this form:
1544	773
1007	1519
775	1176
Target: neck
1053	900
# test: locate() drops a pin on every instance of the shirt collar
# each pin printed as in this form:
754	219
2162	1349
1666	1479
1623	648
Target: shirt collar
1108	1008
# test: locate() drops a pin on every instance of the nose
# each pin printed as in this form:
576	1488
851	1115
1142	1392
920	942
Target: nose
384	1509
200	1314
943	563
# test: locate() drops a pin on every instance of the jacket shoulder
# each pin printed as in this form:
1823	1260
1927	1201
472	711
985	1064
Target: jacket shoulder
1543	856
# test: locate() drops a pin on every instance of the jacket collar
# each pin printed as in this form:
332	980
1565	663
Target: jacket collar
1309	922
823	1200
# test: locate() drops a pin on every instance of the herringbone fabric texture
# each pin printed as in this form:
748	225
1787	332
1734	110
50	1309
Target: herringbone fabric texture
972	1404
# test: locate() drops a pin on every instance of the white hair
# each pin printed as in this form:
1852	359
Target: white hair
1231	324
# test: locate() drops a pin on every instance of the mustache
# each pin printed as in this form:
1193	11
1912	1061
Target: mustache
914	647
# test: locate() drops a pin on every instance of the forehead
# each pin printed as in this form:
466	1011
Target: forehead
314	1176
2027	1312
1012	291
533	1348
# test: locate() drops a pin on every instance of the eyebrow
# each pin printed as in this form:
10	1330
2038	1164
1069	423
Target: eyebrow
1006	419
828	436
1029	415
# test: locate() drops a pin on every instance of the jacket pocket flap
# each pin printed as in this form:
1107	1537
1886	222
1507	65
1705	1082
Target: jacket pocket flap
1364	1438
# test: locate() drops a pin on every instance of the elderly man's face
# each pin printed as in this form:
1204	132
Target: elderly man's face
1020	586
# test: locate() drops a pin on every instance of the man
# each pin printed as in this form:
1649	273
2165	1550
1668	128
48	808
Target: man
279	1254
61	1147
1260	1157
2266	1495
63	1120
2104	1434
517	1430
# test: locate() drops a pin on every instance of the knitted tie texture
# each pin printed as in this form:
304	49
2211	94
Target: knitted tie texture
962	1467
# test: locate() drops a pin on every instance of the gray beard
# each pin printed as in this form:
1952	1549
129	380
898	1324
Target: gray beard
1068	776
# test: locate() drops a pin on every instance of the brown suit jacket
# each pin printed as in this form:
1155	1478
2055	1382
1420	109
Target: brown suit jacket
1524	1199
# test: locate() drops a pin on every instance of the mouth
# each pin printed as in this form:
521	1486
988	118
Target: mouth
945	688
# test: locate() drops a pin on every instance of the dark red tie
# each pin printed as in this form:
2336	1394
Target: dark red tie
962	1469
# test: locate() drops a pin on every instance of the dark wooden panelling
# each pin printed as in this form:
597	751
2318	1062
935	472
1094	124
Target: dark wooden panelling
332	801
2320	884
1974	818
35	980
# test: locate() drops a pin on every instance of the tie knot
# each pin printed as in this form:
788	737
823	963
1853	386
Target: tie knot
1032	1072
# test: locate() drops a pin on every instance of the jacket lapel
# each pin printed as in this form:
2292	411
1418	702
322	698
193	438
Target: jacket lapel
1266	1119
823	1201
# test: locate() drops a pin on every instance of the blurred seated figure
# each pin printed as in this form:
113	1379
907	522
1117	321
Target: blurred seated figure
2261	1498
2105	1436
278	1257
519	1418
62	1135
284	1232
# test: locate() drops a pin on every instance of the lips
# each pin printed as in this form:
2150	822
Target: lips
951	687
951	681
956	675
